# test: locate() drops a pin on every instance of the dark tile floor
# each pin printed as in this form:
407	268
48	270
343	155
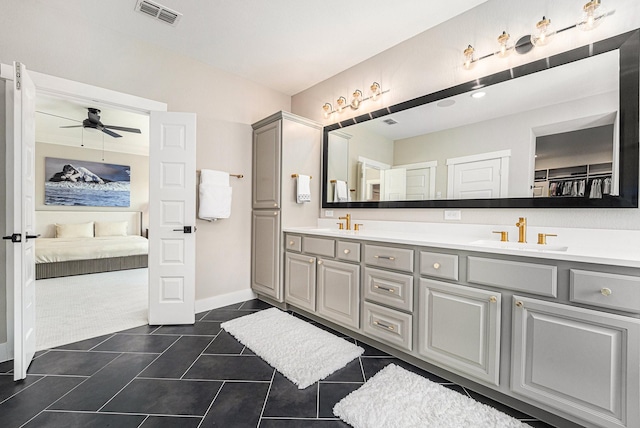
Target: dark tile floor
181	376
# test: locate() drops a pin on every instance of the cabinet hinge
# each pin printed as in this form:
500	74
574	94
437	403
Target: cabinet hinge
18	76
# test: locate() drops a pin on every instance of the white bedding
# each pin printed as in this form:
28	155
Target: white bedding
64	249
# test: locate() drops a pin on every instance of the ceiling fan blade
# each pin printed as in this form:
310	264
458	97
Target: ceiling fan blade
123	128
55	115
108	132
72	126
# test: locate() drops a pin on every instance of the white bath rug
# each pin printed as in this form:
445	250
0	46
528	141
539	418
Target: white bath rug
397	398
303	353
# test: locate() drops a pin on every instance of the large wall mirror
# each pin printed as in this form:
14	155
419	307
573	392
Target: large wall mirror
558	132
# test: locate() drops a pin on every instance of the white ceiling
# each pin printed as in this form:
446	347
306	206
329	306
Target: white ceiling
286	45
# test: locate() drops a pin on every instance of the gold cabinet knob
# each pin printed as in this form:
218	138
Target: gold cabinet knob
311	260
606	291
493	299
436	265
319	262
291	243
519	304
275	205
347	251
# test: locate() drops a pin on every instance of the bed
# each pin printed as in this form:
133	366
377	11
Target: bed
82	242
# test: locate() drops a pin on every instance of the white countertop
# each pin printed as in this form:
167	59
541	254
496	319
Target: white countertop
602	246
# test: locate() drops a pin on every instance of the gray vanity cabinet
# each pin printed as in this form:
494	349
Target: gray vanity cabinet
267	166
339	292
265	242
300	280
459	329
583	362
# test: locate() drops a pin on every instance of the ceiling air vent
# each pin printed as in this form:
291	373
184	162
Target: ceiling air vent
390	121
159	12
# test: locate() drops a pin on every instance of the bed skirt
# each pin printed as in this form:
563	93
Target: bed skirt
81	267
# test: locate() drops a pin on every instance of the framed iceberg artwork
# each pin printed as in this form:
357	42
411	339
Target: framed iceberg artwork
84	183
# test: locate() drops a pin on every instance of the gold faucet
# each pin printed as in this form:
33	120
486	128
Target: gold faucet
522	230
347	217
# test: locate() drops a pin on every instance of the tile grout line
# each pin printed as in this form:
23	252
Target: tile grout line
211	404
23	389
198	357
143	421
264	405
135	377
318	400
90	349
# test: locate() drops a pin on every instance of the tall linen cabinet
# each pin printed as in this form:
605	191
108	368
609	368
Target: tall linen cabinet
283	145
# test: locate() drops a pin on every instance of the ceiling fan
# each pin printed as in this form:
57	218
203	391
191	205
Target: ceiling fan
93	121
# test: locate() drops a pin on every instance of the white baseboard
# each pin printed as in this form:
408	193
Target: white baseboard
4	353
224	300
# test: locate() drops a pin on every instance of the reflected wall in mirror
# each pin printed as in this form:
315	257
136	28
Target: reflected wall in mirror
559	132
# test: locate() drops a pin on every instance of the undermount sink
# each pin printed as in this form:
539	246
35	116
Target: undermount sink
487	243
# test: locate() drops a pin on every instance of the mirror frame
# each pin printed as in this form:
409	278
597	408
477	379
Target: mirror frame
629	46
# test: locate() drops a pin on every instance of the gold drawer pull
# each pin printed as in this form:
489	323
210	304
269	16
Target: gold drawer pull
319	262
493	299
347	251
519	304
388	327
291	243
390	290
606	291
385	257
311	260
436	265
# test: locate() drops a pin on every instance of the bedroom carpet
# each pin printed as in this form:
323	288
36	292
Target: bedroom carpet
310	354
75	308
395	397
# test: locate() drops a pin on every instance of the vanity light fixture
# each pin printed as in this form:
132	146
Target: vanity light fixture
375	91
341	102
505	49
356	99
468	57
592	16
543	33
327	110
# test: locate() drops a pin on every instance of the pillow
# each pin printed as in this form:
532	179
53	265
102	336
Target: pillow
111	228
76	230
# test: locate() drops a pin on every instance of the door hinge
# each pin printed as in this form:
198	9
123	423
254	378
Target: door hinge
18	76
16	237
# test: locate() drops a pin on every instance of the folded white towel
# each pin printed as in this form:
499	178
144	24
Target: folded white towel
218	178
340	194
215	201
303	192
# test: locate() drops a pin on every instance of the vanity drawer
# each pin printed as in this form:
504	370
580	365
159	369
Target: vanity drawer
606	290
388	325
526	277
389	257
349	251
319	246
389	288
439	265
293	243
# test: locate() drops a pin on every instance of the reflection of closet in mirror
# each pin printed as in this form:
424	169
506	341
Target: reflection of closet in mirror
576	163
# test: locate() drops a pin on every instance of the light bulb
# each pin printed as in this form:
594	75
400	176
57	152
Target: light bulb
341	104
503	40
592	16
375	91
468	58
543	34
356	100
327	110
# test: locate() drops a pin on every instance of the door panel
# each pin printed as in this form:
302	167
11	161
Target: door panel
265	270
172	218
300	281
474	180
266	166
339	292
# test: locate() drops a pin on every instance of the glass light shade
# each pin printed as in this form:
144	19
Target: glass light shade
592	16
543	33
375	91
356	100
468	58
504	49
341	102
326	110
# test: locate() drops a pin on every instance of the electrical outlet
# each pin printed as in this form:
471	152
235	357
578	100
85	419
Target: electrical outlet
452	215
328	213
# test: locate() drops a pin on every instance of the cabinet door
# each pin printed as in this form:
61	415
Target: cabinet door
582	362
267	166
300	281
265	254
339	292
459	329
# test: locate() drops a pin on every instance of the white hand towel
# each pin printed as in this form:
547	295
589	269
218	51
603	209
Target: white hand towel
303	191
218	178
215	201
340	193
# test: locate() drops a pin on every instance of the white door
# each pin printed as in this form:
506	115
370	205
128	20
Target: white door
172	217
20	217
475	180
393	183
